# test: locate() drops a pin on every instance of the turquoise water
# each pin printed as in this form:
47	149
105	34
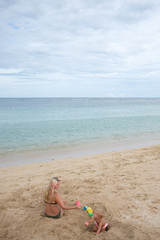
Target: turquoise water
50	123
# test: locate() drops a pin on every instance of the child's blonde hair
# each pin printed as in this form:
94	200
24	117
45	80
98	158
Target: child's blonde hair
99	213
49	194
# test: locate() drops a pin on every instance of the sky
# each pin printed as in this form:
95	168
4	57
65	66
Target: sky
80	48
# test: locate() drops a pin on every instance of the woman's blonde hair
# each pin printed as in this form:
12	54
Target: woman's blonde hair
49	194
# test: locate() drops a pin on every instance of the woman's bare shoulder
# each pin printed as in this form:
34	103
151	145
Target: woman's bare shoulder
57	194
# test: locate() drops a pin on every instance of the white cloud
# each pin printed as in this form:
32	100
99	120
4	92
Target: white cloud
82	42
10	70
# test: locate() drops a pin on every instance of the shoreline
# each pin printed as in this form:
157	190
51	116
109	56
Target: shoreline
123	184
39	156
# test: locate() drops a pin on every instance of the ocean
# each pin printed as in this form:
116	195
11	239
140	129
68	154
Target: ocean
79	125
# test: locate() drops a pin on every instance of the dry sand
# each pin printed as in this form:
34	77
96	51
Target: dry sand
125	185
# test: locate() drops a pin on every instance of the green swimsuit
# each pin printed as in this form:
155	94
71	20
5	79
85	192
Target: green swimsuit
55	217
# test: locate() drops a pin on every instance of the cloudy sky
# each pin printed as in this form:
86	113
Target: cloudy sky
80	48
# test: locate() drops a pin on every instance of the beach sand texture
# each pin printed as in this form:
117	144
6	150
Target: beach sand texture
125	185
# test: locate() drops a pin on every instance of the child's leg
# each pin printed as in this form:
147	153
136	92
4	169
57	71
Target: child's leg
105	229
95	228
90	227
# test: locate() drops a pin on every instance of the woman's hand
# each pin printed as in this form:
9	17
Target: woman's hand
79	206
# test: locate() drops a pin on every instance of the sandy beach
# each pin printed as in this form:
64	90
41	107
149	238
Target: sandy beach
124	185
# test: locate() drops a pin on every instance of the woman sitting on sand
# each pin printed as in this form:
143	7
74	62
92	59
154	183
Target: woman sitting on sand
54	205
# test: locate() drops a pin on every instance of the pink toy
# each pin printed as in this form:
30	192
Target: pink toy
78	203
86	223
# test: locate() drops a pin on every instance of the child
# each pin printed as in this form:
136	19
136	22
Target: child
100	224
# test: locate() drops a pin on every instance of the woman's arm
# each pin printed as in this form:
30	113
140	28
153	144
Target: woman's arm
61	203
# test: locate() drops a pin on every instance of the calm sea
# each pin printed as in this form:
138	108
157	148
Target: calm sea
35	124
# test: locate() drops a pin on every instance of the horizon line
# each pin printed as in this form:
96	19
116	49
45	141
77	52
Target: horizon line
73	97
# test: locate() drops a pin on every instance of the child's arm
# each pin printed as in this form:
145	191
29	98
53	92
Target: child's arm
99	227
92	220
89	221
